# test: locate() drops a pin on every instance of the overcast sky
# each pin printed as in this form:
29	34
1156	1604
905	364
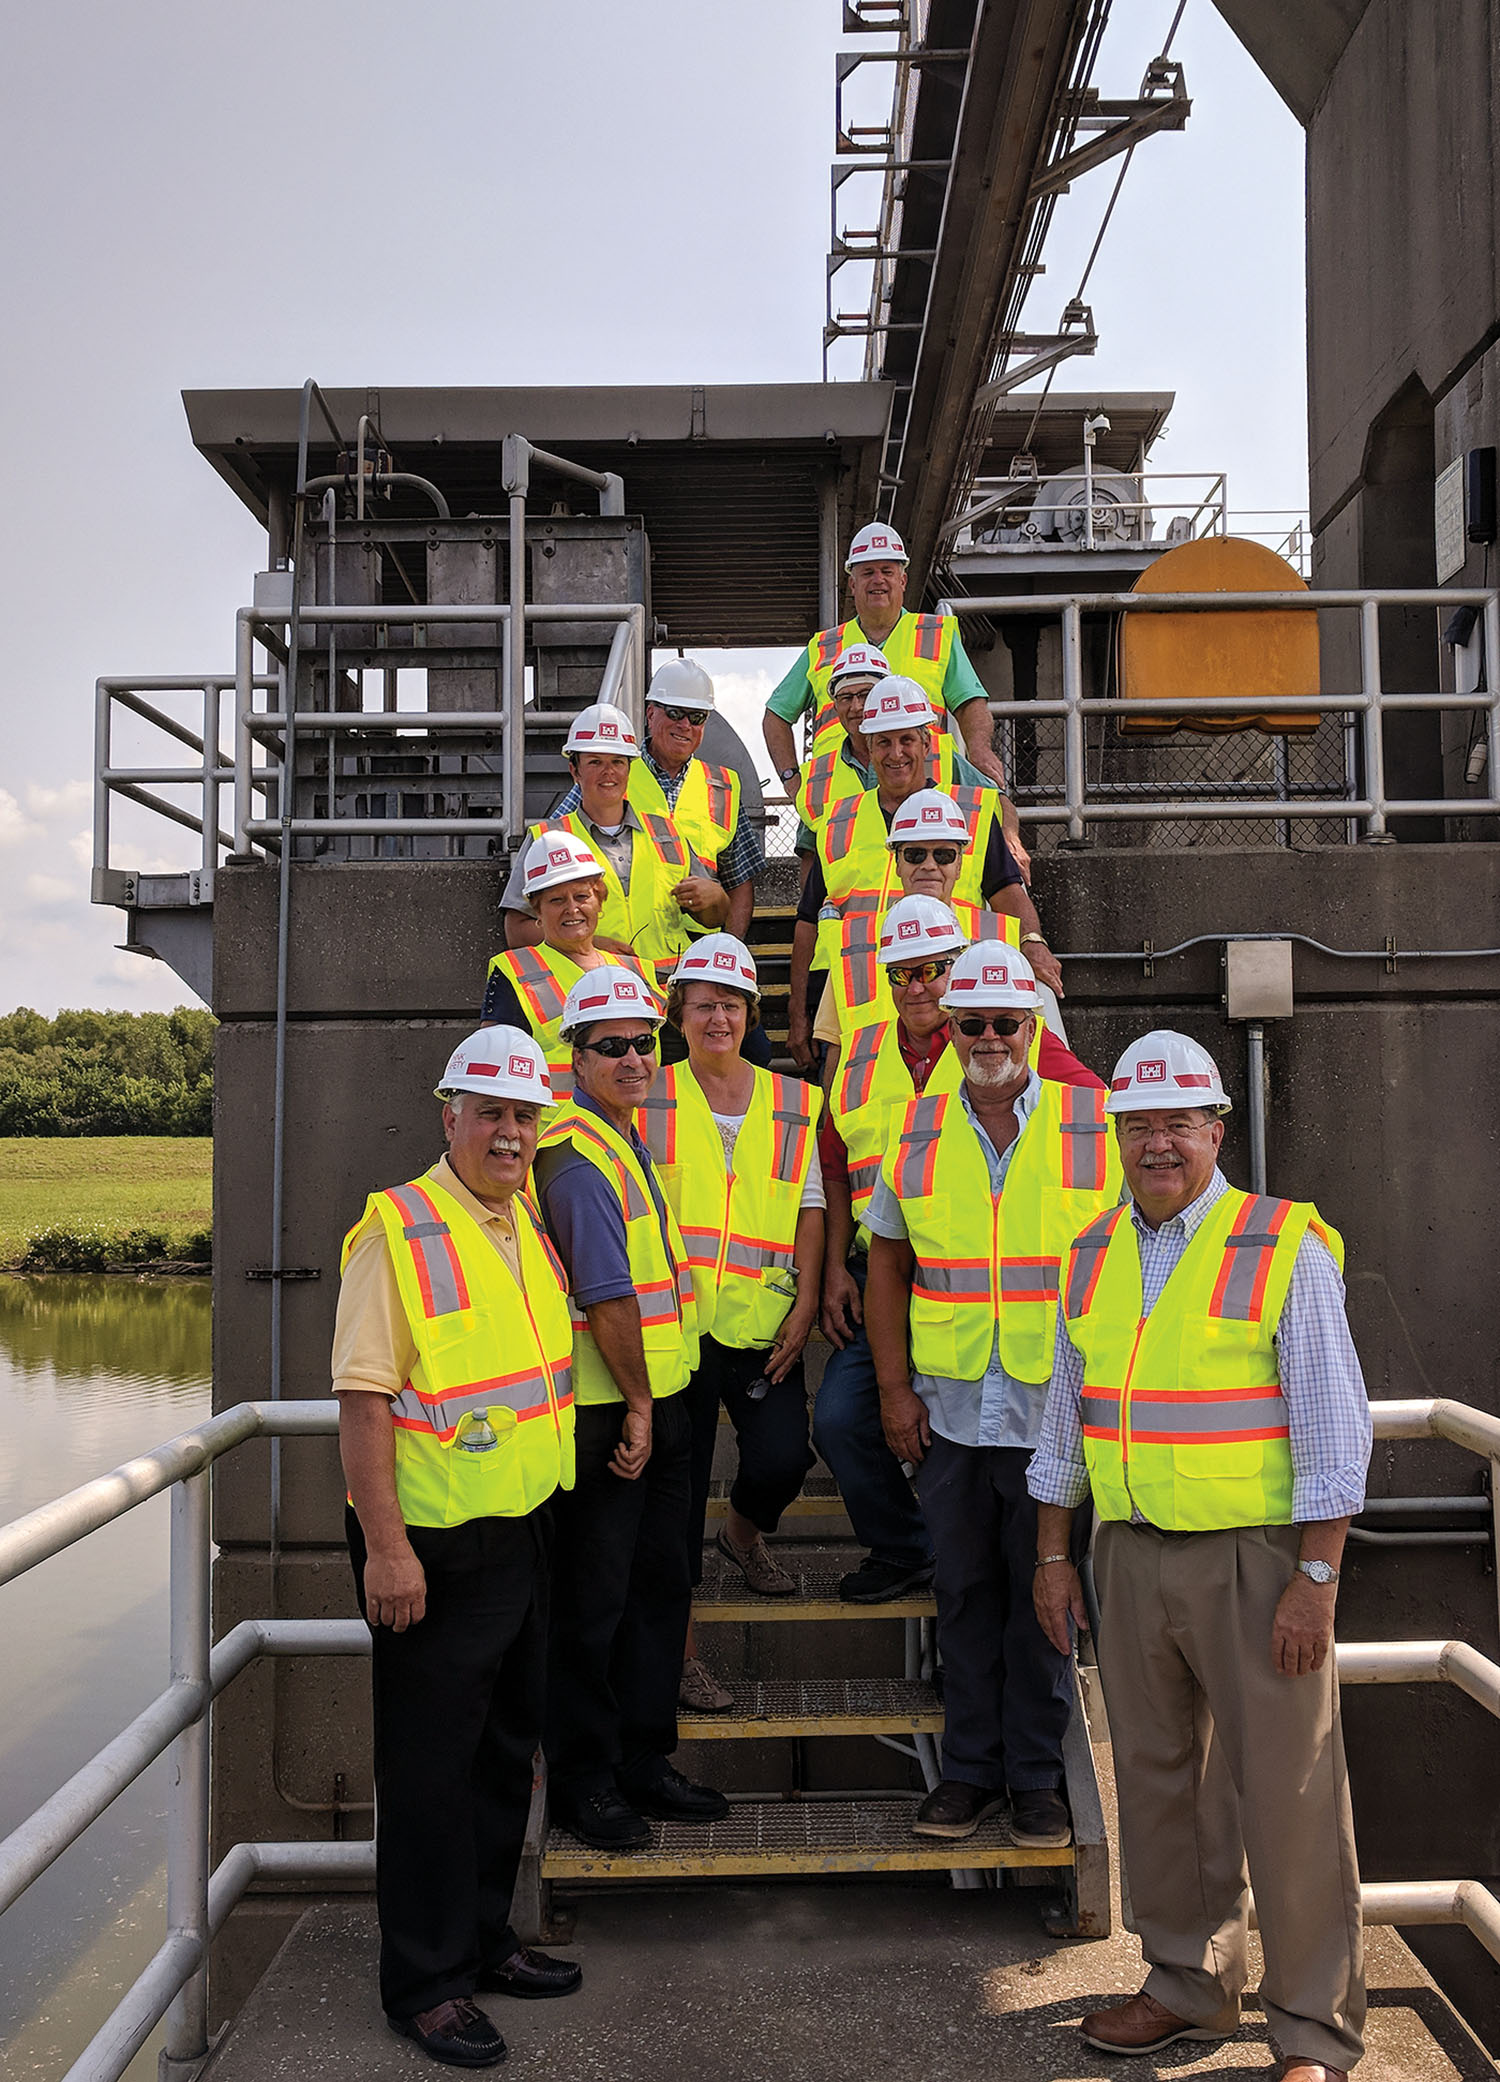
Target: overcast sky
473	193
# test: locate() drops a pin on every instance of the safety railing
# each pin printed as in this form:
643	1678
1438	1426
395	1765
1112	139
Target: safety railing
1090	507
1366	806
174	1985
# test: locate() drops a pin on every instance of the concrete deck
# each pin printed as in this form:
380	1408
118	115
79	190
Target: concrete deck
802	1983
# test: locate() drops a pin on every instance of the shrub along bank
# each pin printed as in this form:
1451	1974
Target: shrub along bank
93	1203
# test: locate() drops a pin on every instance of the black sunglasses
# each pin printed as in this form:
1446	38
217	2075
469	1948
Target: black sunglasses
984	1022
902	976
617	1045
941	856
696	716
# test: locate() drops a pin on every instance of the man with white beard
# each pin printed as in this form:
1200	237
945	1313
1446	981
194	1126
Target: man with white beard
981	1192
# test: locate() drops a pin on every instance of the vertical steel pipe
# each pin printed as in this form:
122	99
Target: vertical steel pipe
1492	688
210	856
244	743
1372	719
515	676
102	704
1255	1075
828	551
187	1815
1072	689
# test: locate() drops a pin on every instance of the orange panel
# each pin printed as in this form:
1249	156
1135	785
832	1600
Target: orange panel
1222	657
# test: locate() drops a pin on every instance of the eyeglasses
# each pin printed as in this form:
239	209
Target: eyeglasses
940	856
1138	1131
977	1023
697	717
902	977
617	1045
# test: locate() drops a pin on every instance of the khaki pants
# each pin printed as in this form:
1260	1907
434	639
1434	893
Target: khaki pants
1220	1761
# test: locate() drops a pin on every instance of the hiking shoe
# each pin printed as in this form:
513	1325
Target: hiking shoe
604	1820
954	1809
878	1582
1040	1819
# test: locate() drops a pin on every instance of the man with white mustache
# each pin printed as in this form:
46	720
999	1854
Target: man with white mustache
980	1194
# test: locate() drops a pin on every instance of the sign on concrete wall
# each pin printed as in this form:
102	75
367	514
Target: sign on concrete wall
1448	522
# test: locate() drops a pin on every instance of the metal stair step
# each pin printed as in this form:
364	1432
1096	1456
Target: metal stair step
819	1706
761	1838
722	1595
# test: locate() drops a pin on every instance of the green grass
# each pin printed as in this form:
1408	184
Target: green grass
104	1181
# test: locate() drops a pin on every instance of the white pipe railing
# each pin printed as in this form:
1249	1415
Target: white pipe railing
174	1983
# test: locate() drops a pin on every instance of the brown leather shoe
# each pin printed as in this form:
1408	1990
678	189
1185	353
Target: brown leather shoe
1296	2068
1141	2025
954	1809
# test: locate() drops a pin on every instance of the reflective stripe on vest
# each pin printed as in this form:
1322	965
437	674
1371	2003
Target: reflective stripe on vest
988	1261
658	1269
645	917
1183	1415
927	638
738	1220
872	1082
704	814
918	648
463	1307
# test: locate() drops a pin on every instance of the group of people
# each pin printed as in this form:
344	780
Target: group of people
1046	1305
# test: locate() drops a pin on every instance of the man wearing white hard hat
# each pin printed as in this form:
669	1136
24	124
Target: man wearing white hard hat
451	1462
671	778
622	1589
563	884
854	875
889	1062
736	1152
1224	1434
841	765
926	648
656	889
981	1190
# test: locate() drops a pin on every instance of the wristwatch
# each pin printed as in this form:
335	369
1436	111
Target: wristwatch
787	773
1320	1571
1033	940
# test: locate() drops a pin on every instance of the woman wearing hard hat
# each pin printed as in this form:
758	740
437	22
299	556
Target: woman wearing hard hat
736	1152
653	880
563	884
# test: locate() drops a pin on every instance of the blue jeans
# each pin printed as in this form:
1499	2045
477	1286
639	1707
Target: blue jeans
846	1431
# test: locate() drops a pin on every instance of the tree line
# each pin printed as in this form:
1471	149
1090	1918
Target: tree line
107	1073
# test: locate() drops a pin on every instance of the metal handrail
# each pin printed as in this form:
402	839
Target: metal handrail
174	1984
1369	705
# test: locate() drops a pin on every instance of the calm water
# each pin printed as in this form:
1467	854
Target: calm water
92	1370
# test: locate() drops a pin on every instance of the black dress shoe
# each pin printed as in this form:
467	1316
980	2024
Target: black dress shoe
605	1820
954	1809
531	1974
458	2033
878	1582
670	1797
1040	1819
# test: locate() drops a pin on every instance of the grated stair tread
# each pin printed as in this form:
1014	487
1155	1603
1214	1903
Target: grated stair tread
760	1838
722	1595
819	1706
819	1499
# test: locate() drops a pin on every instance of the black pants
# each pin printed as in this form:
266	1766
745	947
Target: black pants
1007	1693
458	1716
772	1435
621	1594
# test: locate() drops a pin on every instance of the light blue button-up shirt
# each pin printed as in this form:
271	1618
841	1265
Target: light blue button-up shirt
1328	1410
999	1410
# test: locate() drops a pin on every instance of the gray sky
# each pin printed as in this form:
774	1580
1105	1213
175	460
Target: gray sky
590	192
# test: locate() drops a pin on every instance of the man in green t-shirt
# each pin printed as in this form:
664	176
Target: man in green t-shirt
923	647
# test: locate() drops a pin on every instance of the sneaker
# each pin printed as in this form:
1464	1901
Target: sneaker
669	1797
759	1567
457	2033
700	1691
878	1582
1040	1819
605	1820
954	1809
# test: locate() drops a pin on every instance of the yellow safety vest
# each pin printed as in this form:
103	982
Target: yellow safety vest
859	873
648	918
542	977
663	1282
861	992
984	1260
738	1227
1183	1415
707	808
467	1317
827	778
872	1081
918	648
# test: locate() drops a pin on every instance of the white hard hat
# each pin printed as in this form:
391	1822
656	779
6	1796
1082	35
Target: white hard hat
859	661
501	1062
681	684
602	728
895	703
608	993
719	958
877	544
929	814
917	928
991	978
556	856
1164	1070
